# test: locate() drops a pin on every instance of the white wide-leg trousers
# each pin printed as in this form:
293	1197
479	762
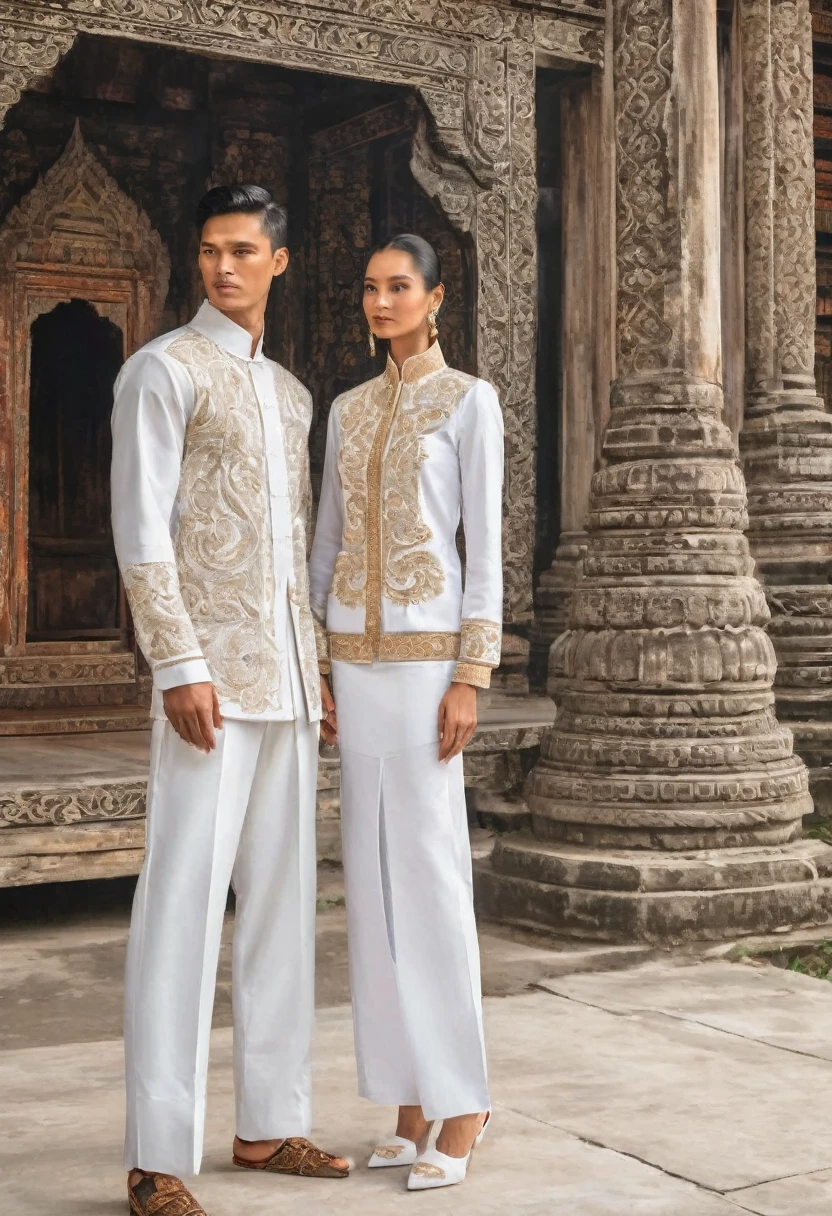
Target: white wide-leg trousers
245	815
413	950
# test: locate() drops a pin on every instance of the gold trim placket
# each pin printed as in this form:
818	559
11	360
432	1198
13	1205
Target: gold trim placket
375	523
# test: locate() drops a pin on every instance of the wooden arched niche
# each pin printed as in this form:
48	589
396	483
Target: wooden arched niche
76	239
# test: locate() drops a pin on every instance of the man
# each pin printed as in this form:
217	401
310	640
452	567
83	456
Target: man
211	494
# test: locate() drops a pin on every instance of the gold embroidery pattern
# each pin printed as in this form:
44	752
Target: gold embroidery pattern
350	648
349	578
223	550
163	627
472	673
389	1152
322	646
359	413
394	647
296	416
481	642
425	1169
382	425
413	575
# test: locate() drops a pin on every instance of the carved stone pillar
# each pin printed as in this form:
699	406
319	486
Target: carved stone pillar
667	802
585	340
787	437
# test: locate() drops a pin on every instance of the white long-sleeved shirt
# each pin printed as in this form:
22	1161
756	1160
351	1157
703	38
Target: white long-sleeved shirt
407	456
210	500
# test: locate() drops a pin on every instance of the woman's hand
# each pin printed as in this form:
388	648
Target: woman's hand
457	720
329	723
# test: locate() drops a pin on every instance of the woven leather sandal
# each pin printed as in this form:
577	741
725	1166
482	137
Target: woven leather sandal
162	1195
296	1156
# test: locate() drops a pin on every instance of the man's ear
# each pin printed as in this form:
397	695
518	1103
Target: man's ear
281	261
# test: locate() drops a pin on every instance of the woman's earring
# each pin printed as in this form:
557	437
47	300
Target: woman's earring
371	342
433	328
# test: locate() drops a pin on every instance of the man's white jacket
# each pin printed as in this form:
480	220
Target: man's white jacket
211	502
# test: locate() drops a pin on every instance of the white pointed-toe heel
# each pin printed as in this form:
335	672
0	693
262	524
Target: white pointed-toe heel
398	1151
433	1169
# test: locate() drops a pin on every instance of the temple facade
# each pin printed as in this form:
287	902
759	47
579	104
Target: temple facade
631	202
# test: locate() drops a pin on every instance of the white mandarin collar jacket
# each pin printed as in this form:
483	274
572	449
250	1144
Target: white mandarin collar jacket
408	456
226	333
210	496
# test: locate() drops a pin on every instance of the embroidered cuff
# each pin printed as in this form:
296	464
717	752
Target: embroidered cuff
163	627
480	642
322	647
472	673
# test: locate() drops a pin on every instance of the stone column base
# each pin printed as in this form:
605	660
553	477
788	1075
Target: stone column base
660	898
813	743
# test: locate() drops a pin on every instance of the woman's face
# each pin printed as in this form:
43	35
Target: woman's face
396	301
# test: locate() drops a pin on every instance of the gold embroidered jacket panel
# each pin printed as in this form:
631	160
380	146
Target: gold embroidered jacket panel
408	456
211	503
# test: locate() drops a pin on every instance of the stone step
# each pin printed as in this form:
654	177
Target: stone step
662	918
575	866
75	720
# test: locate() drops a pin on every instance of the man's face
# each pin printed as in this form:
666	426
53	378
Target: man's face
237	261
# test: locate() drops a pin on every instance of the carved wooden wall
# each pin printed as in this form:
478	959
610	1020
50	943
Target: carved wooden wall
75	236
473	65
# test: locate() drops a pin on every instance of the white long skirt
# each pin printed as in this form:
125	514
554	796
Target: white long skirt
413	951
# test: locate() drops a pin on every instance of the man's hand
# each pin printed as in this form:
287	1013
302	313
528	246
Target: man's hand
457	720
193	711
329	723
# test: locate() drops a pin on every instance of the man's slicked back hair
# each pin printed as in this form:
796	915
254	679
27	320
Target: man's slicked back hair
250	200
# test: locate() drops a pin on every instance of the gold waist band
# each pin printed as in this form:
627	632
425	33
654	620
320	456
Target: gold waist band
393	647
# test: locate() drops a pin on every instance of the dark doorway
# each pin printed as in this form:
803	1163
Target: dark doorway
73	576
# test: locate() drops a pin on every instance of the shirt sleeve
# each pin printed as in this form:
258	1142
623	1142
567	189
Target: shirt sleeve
329	532
480	450
153	402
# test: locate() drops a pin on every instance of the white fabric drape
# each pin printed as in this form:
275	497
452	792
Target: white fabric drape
244	813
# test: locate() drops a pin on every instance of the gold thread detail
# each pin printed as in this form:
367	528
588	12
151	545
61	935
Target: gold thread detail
472	673
163	627
394	647
424	1169
481	641
381	453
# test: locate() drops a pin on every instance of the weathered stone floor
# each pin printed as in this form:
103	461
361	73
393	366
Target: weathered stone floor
663	1088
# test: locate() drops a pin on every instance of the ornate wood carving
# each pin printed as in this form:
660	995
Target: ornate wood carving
787	436
68	804
75	234
25	54
473	65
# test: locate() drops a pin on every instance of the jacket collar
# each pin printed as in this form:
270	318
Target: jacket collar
215	325
416	367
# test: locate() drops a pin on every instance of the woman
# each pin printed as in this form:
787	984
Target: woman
407	454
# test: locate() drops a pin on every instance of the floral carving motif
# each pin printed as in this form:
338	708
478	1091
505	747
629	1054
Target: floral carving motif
33	808
795	194
648	246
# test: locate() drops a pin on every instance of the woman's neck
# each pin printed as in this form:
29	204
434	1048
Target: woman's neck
407	346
